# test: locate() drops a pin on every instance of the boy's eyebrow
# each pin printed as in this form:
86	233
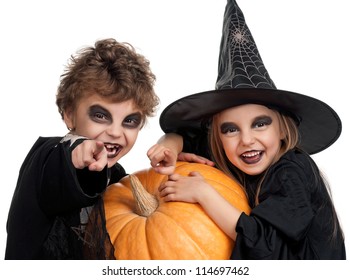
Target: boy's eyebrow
100	108
106	111
136	114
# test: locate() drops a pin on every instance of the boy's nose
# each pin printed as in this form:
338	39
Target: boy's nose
114	130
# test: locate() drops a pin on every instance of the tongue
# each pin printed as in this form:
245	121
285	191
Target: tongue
251	160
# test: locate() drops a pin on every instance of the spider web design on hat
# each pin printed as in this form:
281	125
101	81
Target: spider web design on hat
240	64
243	79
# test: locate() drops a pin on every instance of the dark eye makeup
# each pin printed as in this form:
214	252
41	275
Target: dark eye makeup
228	127
258	122
262	121
133	120
99	114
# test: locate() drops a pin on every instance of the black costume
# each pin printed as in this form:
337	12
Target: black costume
294	218
52	202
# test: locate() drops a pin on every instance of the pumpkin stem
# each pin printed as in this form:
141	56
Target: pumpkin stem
146	203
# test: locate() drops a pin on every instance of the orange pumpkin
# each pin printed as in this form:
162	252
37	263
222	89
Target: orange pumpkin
167	230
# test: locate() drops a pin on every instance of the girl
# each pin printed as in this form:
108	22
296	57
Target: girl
104	98
261	137
292	213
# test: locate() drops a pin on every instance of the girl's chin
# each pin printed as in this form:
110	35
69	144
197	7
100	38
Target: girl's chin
253	172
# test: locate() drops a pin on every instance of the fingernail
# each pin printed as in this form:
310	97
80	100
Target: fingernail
92	168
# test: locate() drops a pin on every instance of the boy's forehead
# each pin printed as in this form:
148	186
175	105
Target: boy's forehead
107	101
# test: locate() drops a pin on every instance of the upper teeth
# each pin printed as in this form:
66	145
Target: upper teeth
110	146
251	154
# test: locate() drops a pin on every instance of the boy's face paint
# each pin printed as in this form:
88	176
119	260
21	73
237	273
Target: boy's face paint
115	124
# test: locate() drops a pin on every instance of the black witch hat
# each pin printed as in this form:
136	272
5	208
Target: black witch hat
243	79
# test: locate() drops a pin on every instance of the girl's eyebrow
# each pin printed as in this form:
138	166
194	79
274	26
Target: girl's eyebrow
263	117
257	118
225	125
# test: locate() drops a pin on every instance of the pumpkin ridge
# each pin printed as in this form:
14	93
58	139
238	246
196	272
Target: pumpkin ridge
117	221
187	231
213	172
238	191
199	250
127	244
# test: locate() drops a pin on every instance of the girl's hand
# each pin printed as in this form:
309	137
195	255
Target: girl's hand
163	160
91	154
192	188
189	157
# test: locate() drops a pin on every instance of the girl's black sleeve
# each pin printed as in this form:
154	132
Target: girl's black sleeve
196	143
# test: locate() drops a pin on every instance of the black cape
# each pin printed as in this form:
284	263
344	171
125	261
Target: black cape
294	218
52	202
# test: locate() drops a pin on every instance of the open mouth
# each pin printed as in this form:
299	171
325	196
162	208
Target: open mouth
112	150
251	157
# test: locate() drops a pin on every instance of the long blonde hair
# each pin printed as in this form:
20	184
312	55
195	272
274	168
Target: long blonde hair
290	141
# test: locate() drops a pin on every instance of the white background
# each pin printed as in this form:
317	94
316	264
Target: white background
304	46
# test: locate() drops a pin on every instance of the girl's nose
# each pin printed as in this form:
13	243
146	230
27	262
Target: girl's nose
247	137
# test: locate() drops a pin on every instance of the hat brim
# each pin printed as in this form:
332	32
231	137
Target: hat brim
319	124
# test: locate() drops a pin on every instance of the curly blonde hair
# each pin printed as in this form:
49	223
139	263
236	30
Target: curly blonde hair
109	69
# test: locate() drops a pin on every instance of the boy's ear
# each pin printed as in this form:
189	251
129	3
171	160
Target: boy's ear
68	118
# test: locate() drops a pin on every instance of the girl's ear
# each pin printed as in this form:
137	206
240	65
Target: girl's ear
68	118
